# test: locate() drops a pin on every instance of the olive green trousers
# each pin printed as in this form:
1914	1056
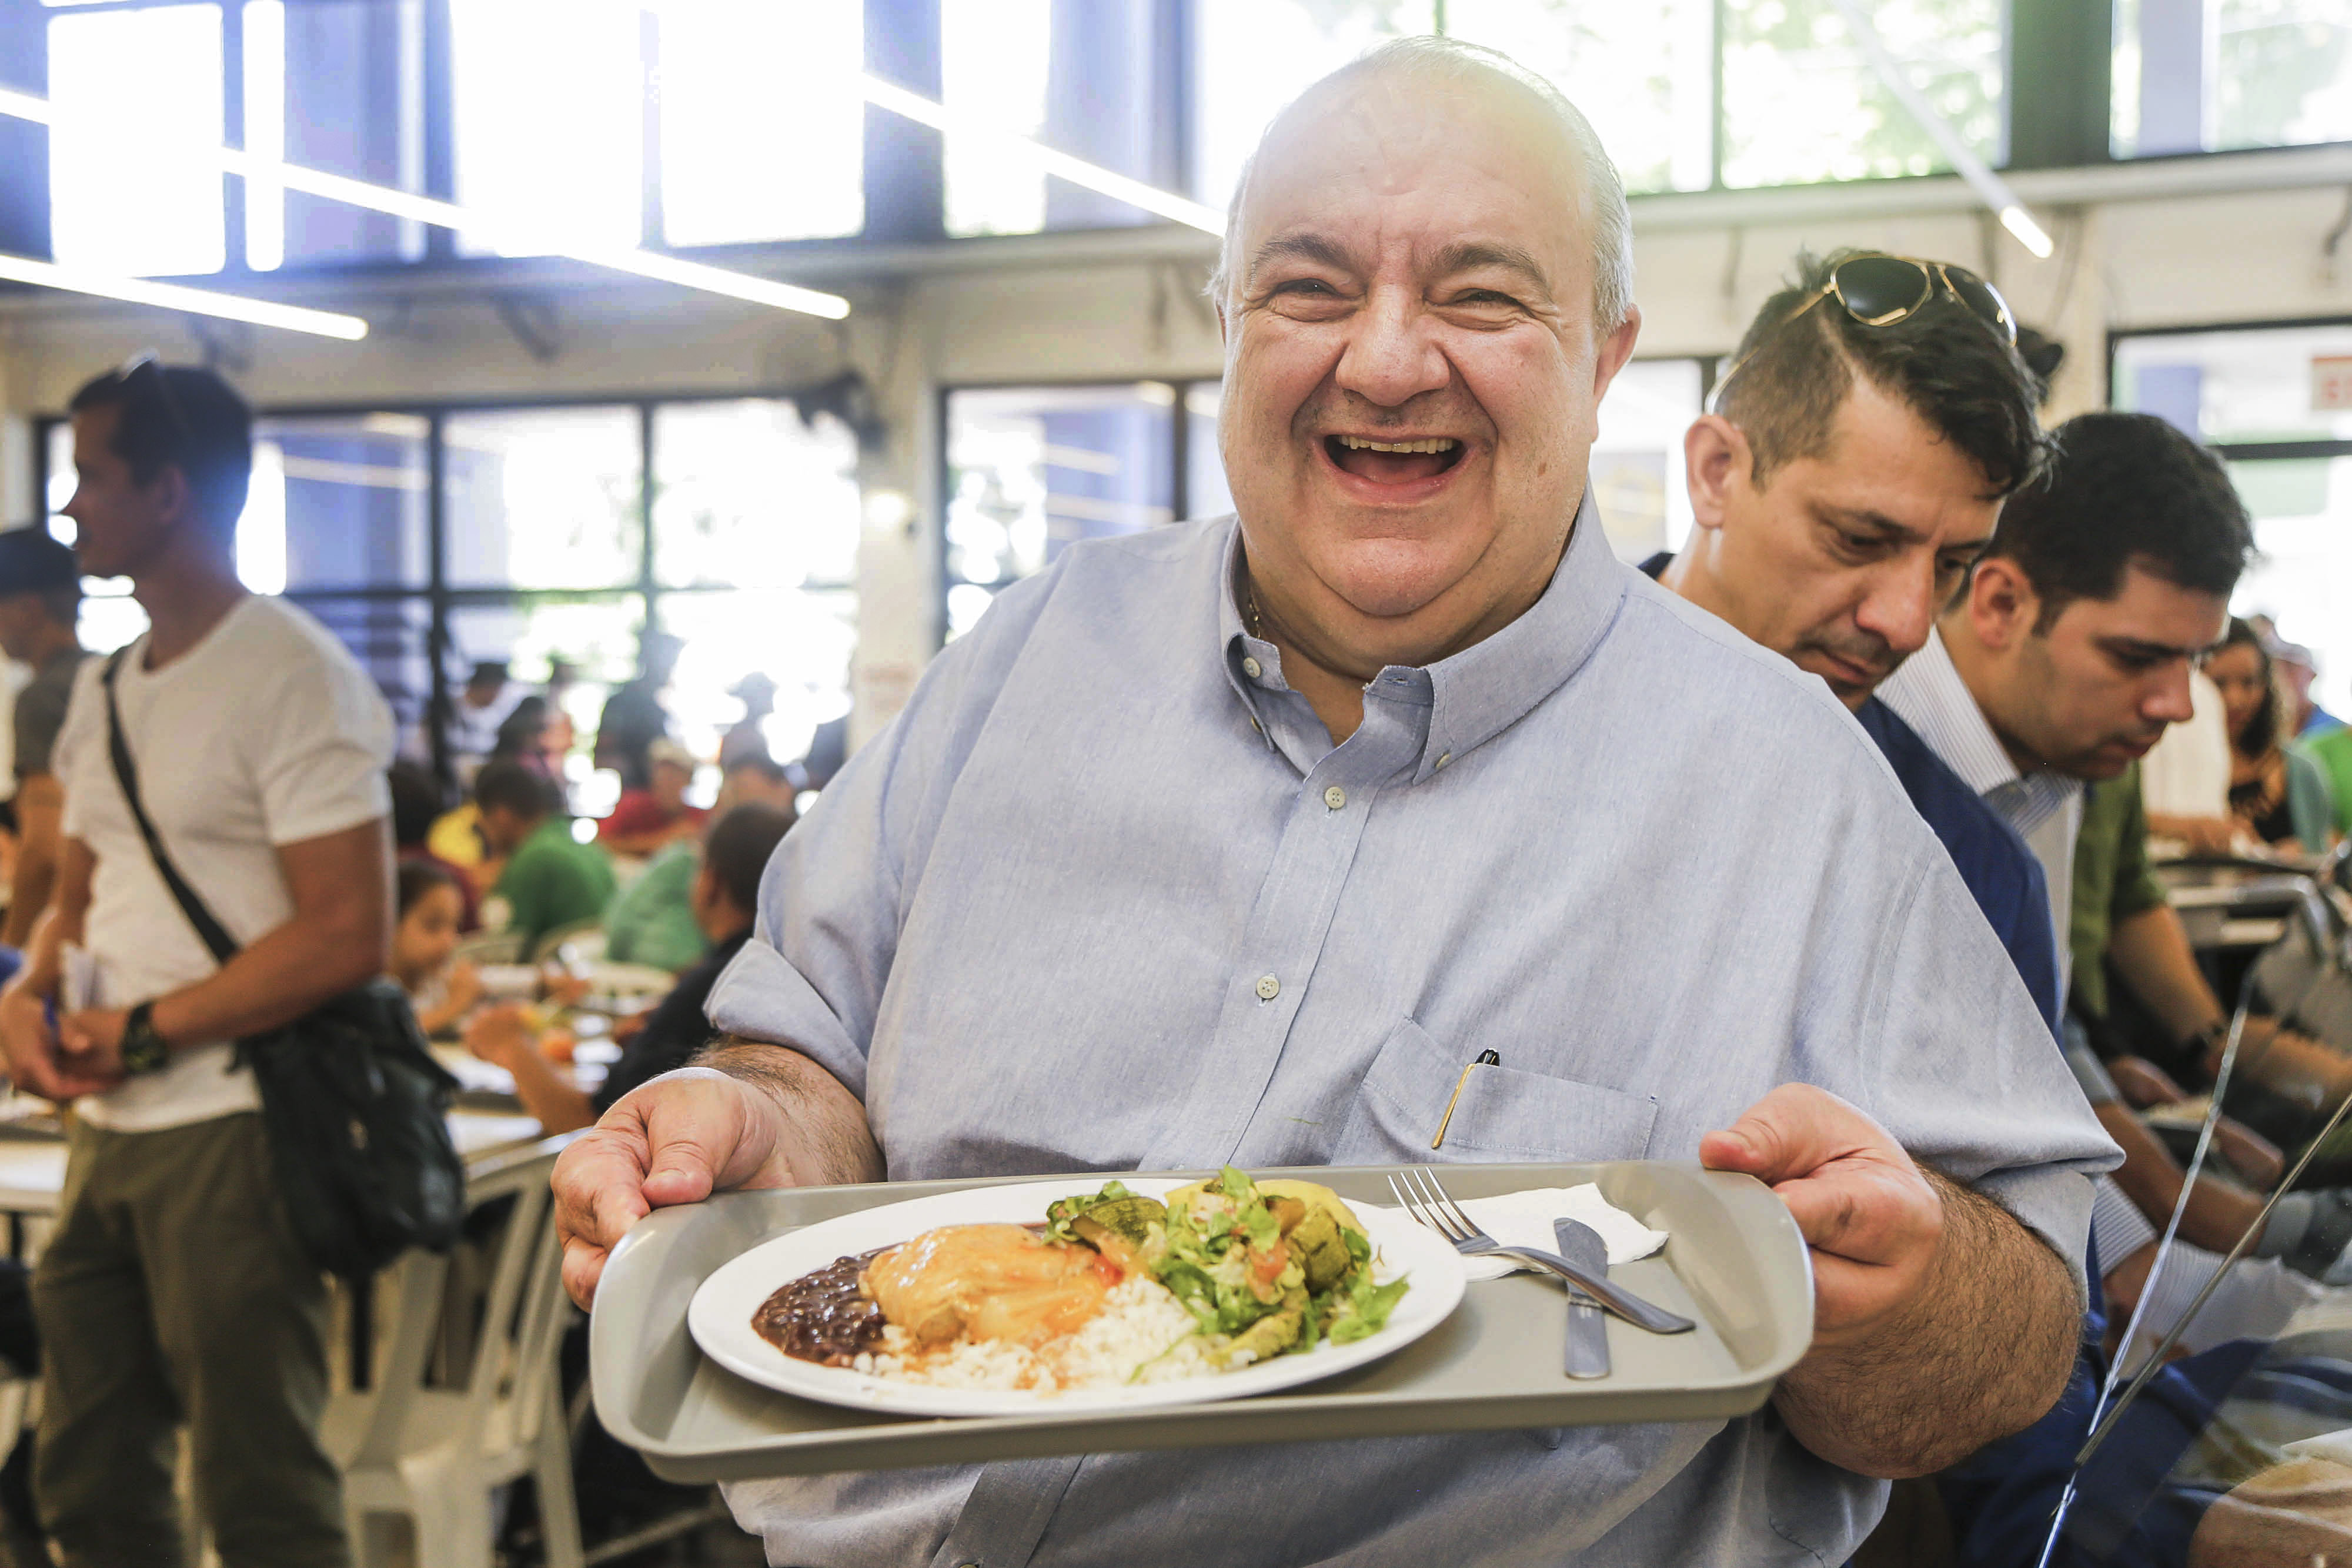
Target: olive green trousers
172	1292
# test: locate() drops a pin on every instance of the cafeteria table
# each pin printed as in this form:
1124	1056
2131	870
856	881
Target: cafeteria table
2237	904
33	1161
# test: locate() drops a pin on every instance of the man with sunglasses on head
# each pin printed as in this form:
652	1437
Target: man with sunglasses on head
172	1290
1851	466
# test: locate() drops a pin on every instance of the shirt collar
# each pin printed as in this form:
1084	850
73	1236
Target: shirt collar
1927	693
1480	691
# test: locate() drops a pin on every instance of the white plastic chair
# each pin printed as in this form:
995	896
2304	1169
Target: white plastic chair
434	1455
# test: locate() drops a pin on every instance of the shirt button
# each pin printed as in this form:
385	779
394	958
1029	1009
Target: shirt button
1444	757
1268	987
1335	797
1252	668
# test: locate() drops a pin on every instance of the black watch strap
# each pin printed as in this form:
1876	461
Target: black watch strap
143	1050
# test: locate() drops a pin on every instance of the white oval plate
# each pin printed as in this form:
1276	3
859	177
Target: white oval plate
720	1315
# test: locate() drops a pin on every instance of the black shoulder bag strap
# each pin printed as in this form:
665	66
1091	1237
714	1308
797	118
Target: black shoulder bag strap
126	773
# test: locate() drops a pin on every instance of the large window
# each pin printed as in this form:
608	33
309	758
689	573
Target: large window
1645	75
694	123
744	156
138	96
561	536
571	122
2202	76
1800	102
2276	402
335	85
1033	469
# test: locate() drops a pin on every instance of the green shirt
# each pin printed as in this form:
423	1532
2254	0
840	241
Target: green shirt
651	920
2113	881
2332	749
553	882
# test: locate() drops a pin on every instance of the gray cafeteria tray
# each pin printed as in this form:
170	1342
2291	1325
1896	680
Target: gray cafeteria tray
1733	1262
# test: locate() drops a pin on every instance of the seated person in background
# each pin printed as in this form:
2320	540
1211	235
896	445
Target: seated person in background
552	880
417	802
431	897
651	920
40	602
726	897
537	734
642	820
2277	794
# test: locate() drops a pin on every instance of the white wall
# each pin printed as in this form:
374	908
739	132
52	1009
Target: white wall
1084	310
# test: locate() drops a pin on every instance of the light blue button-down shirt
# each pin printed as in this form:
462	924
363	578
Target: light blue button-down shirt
1092	903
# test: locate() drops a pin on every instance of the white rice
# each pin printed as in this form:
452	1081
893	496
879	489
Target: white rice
1143	1334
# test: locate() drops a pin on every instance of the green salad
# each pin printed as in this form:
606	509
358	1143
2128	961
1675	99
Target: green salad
1266	1269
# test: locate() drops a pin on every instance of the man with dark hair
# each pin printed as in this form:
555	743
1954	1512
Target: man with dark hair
1853	470
40	603
726	902
2069	651
1897	323
172	1290
552	880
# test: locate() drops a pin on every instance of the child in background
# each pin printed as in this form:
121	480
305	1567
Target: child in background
431	908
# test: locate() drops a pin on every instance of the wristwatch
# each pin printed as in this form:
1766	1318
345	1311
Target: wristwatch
143	1050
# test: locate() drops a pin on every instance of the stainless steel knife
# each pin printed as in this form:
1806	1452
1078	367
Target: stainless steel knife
1587	1325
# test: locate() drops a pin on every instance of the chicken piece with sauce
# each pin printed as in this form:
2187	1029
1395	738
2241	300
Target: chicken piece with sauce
993	1281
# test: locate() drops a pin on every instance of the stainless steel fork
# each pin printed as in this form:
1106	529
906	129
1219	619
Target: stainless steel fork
1427	1201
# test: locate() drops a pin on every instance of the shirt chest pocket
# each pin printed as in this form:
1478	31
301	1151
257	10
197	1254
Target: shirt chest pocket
1504	1113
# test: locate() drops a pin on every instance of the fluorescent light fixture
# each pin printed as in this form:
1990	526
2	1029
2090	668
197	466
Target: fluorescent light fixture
2020	222
1990	187
262	172
1076	171
173	296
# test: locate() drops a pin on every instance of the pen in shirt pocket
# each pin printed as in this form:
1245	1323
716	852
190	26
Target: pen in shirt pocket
1485	1059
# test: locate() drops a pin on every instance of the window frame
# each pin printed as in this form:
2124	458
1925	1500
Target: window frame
1179	449
438	594
2057	101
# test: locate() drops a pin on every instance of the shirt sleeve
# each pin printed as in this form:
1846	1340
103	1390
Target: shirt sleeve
70	757
2310	798
813	974
2136	888
2023	1136
327	739
40	715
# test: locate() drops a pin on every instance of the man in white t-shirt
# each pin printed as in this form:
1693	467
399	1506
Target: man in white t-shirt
172	1289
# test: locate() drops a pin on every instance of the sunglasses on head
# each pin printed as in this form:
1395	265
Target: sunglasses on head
1878	291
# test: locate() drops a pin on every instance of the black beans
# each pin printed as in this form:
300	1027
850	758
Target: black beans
821	1317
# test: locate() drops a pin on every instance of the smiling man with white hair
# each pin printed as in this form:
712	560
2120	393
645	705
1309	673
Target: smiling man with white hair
1235	842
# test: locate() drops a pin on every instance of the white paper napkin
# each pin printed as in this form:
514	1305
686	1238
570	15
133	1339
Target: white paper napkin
1524	1220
